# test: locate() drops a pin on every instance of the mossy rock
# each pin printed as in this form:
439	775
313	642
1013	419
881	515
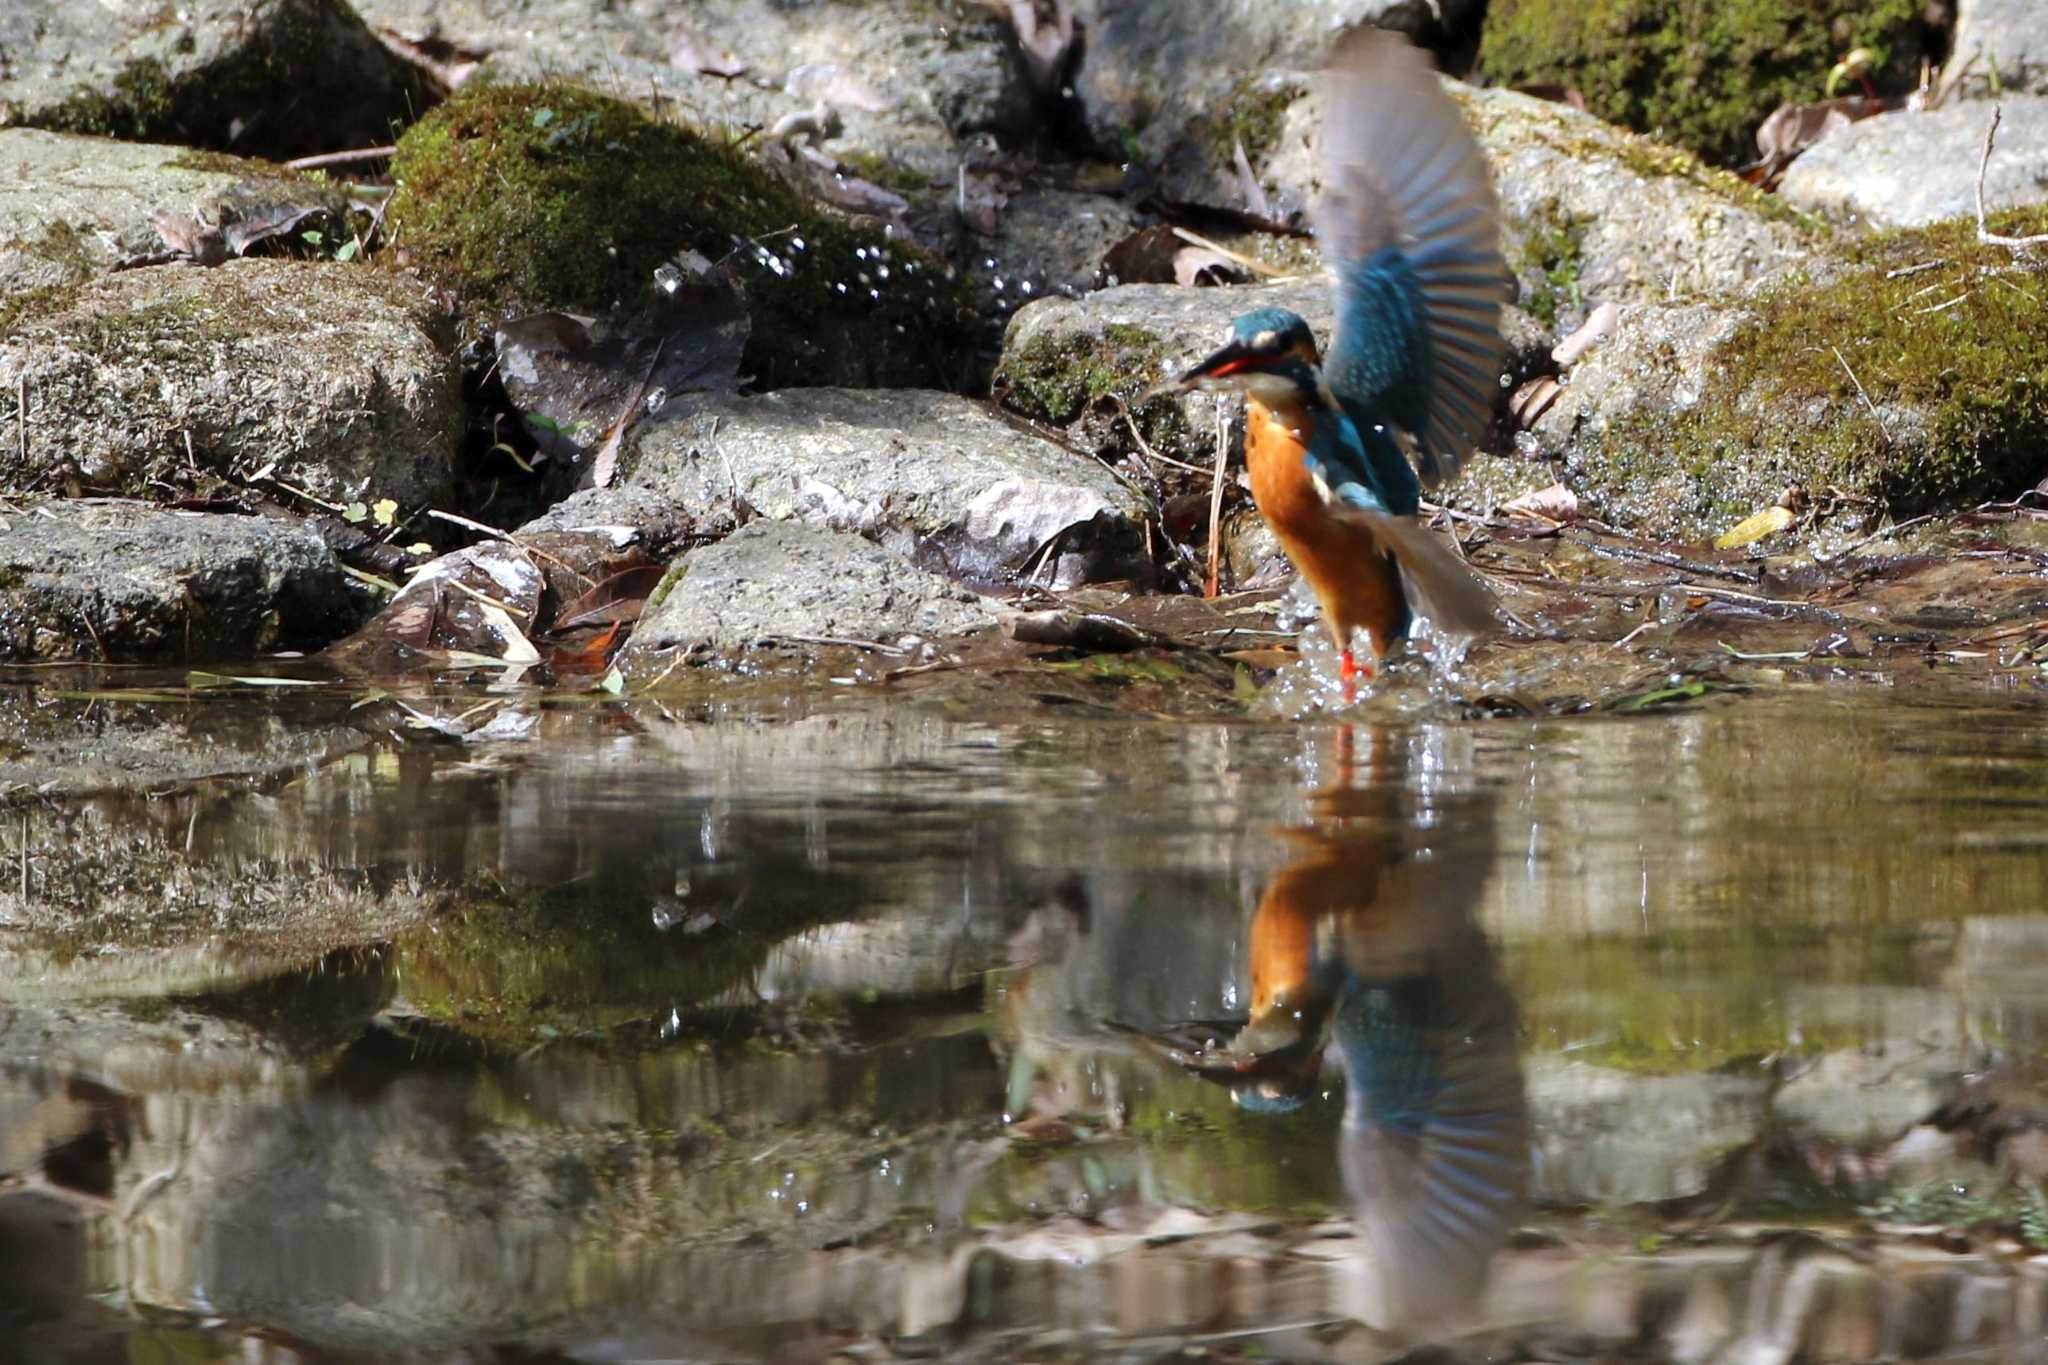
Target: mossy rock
271	78
1699	74
1909	370
552	196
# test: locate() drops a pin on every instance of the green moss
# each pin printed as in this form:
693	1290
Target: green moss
1937	330
1252	115
554	196
1701	73
140	107
1552	252
877	169
1059	379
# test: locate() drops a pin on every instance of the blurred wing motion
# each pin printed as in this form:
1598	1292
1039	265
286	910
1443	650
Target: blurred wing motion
1435	1147
1409	221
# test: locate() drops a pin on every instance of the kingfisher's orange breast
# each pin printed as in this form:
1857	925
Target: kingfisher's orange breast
1358	585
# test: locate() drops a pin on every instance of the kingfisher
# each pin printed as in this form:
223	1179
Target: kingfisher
1408	220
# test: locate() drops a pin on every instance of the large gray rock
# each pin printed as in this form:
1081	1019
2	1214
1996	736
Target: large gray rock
1910	168
126	583
1999	40
929	474
1176	84
277	78
1591	212
900	86
324	375
71	206
776	581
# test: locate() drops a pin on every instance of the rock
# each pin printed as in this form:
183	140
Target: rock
325	375
2001	41
1874	374
1702	78
124	583
71	206
550	197
273	78
1863	1097
1175	85
776	580
1592	212
1048	242
901	87
931	475
1912	168
1072	362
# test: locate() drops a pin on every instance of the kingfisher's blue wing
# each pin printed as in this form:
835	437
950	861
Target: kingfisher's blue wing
1409	221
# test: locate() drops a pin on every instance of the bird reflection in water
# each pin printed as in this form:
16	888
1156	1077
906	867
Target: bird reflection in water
1367	939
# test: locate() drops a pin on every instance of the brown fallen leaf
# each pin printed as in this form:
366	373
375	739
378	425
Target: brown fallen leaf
1792	128
1555	503
593	656
1162	254
619	598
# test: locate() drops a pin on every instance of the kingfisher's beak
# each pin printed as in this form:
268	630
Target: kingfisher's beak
1210	373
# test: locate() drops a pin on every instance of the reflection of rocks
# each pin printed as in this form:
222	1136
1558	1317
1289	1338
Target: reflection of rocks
117	582
321	375
72	206
1606	1136
1909	168
279	78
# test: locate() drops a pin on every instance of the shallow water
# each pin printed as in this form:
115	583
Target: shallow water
775	1031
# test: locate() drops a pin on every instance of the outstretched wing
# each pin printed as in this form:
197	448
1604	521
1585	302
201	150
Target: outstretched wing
1408	218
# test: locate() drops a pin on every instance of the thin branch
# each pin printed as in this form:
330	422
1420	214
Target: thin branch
306	163
1212	584
1875	415
1985	234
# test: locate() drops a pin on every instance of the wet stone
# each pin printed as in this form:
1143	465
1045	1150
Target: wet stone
277	78
930	475
780	581
116	582
322	376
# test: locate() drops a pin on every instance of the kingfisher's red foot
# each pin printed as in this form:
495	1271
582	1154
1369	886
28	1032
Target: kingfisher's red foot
1349	671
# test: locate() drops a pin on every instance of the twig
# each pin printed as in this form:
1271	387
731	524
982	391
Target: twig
1905	270
1985	234
305	163
1876	416
493	532
1623	642
1144	446
21	417
1879	534
1212	583
872	646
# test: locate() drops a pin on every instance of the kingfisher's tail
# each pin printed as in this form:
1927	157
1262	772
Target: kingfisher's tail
1436	582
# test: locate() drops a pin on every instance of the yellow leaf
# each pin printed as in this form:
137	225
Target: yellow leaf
1753	529
386	510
